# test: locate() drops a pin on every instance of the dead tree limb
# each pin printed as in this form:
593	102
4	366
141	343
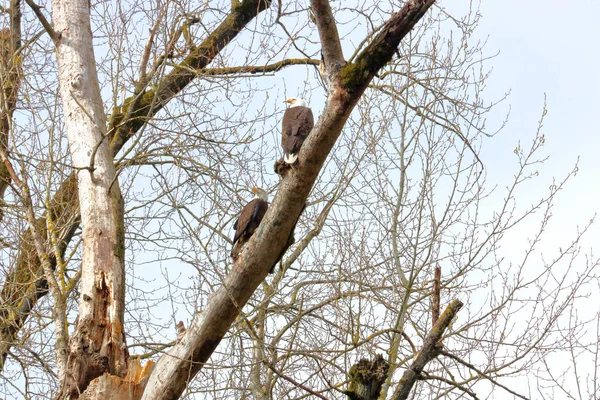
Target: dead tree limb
367	378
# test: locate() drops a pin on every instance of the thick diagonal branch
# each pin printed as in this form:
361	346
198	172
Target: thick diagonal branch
175	369
356	76
148	103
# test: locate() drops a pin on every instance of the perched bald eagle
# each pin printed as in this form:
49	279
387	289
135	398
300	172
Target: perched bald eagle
296	125
249	220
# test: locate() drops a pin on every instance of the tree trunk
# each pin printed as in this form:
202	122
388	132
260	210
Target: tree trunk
26	284
113	387
98	343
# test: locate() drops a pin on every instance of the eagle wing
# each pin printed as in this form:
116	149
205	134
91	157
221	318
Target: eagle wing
296	125
250	218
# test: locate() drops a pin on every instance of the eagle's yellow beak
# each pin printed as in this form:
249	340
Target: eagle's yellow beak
254	189
290	101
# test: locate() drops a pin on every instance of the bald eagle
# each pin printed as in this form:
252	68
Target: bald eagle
296	125
249	220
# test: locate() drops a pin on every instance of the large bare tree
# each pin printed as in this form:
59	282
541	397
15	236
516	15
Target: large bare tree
126	221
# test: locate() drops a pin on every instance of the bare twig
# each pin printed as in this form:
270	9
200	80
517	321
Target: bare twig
481	373
47	25
258	69
292	381
435	304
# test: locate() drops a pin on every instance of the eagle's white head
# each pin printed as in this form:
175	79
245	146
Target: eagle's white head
260	193
296	102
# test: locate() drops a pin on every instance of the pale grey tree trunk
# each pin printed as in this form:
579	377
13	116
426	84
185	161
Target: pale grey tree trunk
97	345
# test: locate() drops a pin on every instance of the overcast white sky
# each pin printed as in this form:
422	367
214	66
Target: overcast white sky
548	47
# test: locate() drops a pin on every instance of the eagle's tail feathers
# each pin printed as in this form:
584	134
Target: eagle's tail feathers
290	158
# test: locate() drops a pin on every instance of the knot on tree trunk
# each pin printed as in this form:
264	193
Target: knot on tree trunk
366	378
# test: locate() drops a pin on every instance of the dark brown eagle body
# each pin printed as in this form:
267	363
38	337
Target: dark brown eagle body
297	123
247	223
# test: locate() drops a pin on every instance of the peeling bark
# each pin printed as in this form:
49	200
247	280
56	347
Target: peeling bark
98	344
113	387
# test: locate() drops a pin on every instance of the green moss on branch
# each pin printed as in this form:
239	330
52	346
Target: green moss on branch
357	75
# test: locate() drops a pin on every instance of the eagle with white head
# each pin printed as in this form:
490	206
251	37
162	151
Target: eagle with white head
297	123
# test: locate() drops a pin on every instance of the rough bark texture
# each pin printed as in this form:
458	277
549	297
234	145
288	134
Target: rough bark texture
183	362
430	350
367	378
98	343
26	285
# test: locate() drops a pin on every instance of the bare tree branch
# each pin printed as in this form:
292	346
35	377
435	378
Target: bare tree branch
292	381
258	69
482	374
330	39
42	18
435	302
356	76
429	351
147	104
